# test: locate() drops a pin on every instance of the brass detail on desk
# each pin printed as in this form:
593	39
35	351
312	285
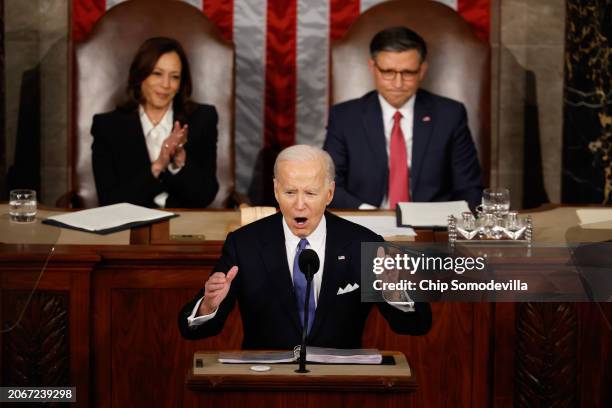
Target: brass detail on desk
188	238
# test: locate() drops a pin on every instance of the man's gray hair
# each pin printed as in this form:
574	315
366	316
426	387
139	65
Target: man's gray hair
305	153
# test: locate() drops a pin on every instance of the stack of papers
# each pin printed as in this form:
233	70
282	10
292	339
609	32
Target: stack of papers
110	218
429	214
313	355
342	356
239	357
383	225
595	218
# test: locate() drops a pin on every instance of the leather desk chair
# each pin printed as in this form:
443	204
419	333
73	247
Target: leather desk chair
102	64
459	63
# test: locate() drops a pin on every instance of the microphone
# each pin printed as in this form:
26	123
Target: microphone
309	265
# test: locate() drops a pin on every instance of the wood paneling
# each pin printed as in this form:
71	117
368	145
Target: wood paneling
122	304
35	346
545	373
53	334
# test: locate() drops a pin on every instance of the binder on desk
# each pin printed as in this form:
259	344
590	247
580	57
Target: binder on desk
108	219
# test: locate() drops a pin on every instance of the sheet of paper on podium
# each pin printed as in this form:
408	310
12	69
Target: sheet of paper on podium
313	355
109	218
436	214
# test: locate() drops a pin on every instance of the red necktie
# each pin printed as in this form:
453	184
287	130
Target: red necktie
399	174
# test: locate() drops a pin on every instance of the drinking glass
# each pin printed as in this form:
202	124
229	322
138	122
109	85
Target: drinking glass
22	205
496	201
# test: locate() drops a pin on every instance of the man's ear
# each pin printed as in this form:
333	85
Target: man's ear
372	66
330	192
275	188
423	70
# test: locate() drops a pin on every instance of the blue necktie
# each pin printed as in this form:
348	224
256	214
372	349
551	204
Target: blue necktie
299	284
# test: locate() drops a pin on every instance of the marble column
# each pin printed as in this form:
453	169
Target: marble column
36	96
587	110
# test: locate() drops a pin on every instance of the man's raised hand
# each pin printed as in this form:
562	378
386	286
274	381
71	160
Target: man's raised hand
215	290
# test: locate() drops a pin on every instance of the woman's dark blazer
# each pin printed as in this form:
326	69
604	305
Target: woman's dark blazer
122	168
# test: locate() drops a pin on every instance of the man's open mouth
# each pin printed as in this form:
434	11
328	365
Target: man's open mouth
300	220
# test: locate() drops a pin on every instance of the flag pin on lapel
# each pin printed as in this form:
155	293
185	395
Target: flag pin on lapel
426	118
341	257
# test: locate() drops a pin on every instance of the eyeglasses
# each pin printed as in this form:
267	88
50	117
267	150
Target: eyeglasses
390	74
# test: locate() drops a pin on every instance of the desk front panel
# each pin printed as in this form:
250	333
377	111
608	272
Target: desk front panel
122	301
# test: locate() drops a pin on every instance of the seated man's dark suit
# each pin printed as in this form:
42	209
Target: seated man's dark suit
265	295
122	167
444	160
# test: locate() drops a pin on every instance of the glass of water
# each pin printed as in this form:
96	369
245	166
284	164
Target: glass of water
496	201
22	205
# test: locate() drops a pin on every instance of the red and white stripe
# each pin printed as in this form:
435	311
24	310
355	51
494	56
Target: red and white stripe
282	63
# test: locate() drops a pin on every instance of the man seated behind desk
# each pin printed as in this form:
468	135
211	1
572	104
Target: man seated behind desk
401	143
254	269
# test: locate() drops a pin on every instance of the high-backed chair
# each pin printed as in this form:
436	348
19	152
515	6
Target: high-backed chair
459	63
102	65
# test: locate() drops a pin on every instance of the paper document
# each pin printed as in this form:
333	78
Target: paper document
429	214
313	355
342	356
257	357
595	218
384	225
109	218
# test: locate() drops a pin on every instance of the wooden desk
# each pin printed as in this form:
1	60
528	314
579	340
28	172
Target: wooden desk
217	384
117	338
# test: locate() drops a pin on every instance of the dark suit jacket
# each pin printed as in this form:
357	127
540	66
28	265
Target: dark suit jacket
122	168
264	291
444	160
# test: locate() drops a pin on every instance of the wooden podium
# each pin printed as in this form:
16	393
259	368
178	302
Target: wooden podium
212	384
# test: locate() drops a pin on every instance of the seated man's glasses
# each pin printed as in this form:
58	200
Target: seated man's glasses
390	74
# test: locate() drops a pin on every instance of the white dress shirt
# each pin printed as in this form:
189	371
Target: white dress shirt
154	138
406	123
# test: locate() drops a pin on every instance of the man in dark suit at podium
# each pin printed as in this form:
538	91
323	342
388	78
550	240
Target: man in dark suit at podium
255	271
401	143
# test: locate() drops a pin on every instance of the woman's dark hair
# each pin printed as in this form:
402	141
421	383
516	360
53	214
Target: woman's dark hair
142	66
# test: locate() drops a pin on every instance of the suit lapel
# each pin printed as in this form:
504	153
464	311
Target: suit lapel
421	132
274	256
329	286
135	133
375	131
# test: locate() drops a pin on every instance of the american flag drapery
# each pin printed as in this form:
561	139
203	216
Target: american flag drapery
281	63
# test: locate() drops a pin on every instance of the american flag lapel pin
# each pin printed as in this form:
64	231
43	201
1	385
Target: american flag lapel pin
341	257
426	118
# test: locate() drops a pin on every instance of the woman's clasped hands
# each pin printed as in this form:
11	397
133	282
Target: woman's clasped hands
172	153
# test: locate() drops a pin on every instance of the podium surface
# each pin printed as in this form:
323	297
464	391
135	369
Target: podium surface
210	383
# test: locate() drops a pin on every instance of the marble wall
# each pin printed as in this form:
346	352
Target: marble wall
527	40
36	46
587	155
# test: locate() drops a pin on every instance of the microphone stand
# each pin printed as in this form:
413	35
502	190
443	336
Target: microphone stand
302	358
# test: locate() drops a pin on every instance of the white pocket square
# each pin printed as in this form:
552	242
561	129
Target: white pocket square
348	288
